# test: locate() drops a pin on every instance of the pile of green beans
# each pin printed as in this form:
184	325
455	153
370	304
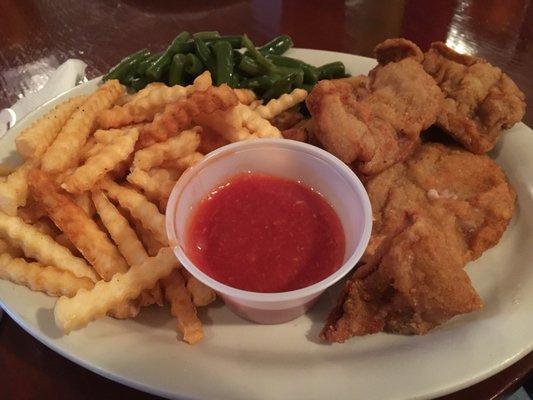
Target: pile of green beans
231	59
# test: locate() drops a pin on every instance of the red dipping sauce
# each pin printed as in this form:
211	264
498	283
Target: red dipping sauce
266	234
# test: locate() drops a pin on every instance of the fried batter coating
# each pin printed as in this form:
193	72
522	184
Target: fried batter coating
481	101
373	122
433	213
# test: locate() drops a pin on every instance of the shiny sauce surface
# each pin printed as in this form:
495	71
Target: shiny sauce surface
262	233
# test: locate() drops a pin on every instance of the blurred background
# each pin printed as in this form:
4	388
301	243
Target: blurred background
39	35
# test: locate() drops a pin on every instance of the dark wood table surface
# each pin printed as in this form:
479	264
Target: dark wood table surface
38	35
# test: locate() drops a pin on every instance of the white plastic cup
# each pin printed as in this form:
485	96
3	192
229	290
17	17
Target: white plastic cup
283	158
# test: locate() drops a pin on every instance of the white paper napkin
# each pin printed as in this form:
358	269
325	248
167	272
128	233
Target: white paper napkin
65	77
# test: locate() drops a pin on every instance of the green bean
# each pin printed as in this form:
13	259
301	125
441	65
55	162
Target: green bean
249	66
282	85
204	54
260	83
237	57
144	64
155	70
298	79
126	65
176	71
278	45
310	73
234	40
138	83
193	65
224	63
206	35
332	70
185	47
259	58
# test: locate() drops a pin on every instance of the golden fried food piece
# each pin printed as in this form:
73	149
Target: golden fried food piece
433	213
50	280
149	101
286	101
33	141
287	120
396	49
120	230
11	250
84	201
480	100
139	207
238	123
64	241
375	122
201	294
175	147
41	247
84	177
182	308
31	212
65	150
182	163
180	115
5	170
245	96
419	283
81	230
14	190
156	183
87	305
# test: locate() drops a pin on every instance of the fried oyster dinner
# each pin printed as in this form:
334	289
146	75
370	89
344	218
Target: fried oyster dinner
83	217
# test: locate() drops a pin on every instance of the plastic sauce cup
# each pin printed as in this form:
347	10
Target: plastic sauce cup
283	158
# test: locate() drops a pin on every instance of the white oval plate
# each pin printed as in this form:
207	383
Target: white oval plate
240	360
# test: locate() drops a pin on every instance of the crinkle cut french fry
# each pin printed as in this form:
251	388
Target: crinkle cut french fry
182	308
31	212
175	147
65	150
85	176
12	251
38	277
148	240
107	136
283	103
86	305
120	230
202	295
155	185
46	226
33	142
139	207
84	201
257	125
64	241
42	247
134	98
144	107
14	191
182	163
180	115
81	230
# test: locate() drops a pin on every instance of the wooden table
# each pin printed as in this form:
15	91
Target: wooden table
37	35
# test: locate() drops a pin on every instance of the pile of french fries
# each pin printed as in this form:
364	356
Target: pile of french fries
83	217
